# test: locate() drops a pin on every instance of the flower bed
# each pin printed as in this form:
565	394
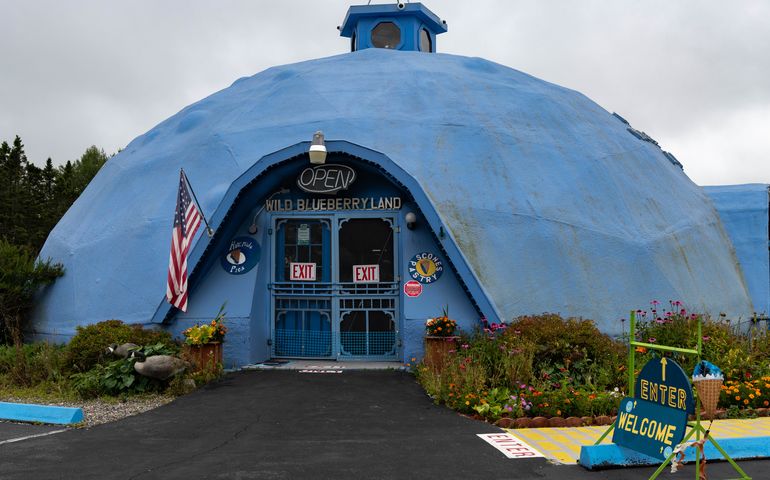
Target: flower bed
546	366
561	368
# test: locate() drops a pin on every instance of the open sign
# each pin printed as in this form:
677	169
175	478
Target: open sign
327	178
302	272
366	273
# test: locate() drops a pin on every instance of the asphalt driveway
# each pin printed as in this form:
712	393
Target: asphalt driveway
291	425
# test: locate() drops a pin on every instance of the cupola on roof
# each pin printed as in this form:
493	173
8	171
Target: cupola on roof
396	26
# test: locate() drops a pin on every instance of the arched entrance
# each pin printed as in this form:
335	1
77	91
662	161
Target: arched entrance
333	254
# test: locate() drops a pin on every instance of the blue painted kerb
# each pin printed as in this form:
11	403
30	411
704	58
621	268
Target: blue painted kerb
596	457
30	412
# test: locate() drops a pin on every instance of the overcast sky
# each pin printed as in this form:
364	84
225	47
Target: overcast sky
693	74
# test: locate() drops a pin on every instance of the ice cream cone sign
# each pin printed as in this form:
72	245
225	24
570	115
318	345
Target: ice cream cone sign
708	379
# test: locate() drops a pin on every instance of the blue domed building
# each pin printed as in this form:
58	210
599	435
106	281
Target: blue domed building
447	181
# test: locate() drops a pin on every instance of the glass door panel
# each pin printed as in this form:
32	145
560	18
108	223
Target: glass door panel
303	241
366	241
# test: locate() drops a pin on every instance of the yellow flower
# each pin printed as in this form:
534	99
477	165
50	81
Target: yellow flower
751	396
467	402
746	402
737	397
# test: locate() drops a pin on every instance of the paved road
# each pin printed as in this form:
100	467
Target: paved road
290	425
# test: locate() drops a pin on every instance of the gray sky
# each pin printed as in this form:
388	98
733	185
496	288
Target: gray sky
693	74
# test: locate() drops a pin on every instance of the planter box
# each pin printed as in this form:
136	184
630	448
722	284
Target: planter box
437	349
206	356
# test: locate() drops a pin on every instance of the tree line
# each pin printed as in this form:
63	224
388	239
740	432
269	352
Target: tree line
32	200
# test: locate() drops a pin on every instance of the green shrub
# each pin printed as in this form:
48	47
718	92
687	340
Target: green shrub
87	348
31	364
118	377
723	344
574	403
20	278
571	351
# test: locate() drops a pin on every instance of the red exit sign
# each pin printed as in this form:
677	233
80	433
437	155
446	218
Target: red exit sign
366	273
302	272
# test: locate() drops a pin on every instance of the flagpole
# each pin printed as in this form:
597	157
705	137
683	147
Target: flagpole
187	181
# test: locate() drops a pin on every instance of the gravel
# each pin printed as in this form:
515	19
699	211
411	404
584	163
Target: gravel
100	411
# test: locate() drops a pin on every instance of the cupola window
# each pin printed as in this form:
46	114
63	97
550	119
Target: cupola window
425	43
386	35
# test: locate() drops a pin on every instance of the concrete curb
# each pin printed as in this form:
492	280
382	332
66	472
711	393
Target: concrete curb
30	412
597	457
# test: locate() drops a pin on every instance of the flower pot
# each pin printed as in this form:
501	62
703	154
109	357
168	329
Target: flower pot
206	356
437	349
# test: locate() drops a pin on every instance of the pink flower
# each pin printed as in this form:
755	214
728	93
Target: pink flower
651	340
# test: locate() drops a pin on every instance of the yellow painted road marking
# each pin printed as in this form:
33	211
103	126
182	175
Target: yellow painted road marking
562	445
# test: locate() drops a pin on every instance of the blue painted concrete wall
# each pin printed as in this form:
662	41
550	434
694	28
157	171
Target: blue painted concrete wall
743	210
553	204
447	291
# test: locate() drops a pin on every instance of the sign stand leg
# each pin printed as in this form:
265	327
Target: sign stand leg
671	457
604	435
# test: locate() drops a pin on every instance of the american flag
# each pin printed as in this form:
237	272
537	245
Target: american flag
187	219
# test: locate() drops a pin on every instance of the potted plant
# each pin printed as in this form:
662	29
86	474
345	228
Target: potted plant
204	342
439	338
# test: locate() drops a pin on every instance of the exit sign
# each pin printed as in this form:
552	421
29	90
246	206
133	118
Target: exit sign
366	273
303	272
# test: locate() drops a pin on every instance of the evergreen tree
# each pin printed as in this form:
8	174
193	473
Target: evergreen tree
33	199
13	195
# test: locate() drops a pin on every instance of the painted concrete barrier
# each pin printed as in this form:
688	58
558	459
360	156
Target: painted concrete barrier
596	457
30	412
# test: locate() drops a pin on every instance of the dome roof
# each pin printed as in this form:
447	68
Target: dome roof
554	205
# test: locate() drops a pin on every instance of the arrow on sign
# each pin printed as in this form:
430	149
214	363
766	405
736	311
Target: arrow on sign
663	363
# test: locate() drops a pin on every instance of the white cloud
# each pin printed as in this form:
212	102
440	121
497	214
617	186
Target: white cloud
730	149
87	72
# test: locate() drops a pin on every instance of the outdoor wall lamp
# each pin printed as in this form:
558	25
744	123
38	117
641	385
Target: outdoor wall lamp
411	220
253	227
317	150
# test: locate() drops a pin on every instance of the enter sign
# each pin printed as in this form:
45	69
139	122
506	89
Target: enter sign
366	273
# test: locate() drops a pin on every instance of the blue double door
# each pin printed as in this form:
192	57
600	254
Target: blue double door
336	287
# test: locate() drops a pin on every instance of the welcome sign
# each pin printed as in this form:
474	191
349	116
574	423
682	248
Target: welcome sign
654	422
649	428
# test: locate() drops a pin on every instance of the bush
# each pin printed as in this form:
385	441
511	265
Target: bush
571	351
20	278
32	364
87	348
736	354
747	394
118	377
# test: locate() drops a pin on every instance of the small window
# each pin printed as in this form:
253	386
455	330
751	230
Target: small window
353	42
425	43
386	35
